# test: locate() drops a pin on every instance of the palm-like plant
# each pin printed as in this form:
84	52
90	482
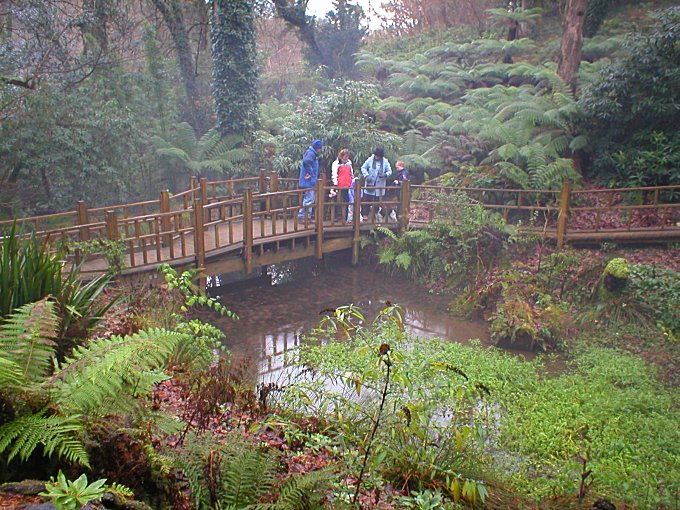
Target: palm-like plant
211	155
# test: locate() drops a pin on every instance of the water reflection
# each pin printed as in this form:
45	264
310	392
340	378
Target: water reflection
277	309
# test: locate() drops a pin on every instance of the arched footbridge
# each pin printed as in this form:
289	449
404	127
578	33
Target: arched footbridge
240	224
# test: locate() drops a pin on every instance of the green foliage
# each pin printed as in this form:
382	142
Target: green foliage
630	110
659	290
342	117
339	36
212	155
611	405
618	268
109	376
28	271
27	341
401	414
235	71
234	473
72	495
461	243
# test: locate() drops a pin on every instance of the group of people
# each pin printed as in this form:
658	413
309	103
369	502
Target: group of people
375	172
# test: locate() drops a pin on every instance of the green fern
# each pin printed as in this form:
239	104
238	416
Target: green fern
109	374
302	492
232	473
26	342
60	435
211	154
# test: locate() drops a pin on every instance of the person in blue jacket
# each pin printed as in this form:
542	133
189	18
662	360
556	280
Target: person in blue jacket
309	175
375	170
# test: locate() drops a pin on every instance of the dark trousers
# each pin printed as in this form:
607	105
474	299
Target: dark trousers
366	204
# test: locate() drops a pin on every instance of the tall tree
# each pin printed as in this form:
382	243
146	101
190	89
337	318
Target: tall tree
339	37
571	42
171	10
294	12
235	72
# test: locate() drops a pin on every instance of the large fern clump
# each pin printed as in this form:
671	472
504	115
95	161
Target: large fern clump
236	474
53	403
486	104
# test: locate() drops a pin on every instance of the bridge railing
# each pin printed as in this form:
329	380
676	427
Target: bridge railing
243	214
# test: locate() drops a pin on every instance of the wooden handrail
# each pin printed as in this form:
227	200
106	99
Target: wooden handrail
267	212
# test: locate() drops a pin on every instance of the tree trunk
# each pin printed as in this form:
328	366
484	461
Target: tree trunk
171	10
295	14
572	42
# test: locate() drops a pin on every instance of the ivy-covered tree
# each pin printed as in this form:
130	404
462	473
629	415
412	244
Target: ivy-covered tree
235	70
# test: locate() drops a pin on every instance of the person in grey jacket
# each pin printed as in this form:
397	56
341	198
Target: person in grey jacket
375	170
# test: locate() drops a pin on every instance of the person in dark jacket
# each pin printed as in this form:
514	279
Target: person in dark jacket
309	175
402	175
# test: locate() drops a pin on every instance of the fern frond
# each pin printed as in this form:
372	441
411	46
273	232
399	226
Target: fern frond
109	373
56	434
26	339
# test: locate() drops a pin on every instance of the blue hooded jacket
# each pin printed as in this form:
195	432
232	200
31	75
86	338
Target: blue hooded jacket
309	166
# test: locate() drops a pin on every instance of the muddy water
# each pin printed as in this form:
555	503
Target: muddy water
279	307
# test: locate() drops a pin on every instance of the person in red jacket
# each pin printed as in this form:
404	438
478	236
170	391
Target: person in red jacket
341	175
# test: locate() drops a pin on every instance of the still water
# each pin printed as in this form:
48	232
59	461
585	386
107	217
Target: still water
285	302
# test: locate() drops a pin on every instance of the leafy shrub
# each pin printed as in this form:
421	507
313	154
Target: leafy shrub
630	113
659	290
461	243
235	473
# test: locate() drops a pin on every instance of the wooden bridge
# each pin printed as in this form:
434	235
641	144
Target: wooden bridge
238	224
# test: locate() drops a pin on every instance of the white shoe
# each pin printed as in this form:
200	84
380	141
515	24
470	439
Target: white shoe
379	218
362	219
393	216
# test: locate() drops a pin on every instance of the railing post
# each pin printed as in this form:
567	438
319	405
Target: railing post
356	218
248	230
274	188
262	184
404	205
193	184
320	212
199	234
83	219
563	213
112	225
204	197
164	204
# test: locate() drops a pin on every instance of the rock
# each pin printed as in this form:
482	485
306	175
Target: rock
118	502
41	506
603	504
27	487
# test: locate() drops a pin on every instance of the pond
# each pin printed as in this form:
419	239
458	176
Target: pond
279	306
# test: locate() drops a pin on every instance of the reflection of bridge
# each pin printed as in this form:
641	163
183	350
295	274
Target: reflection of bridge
238	224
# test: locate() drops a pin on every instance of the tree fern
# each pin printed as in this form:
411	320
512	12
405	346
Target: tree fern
60	435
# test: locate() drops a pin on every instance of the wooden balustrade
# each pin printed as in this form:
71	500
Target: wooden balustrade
243	215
